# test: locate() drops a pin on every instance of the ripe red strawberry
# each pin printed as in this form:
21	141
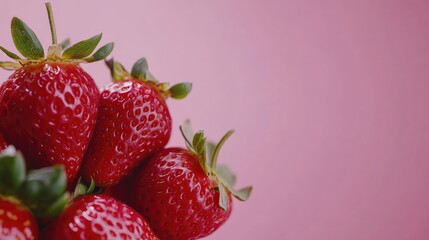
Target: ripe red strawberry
133	123
48	106
181	192
16	221
99	217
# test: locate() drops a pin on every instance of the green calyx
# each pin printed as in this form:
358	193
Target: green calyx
140	71
83	189
43	190
27	43
12	172
222	177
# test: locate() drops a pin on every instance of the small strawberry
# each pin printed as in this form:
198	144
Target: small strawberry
16	221
23	197
99	217
133	123
182	193
48	106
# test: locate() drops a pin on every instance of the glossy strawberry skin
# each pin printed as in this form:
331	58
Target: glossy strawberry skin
177	198
99	217
16	221
3	143
133	123
49	111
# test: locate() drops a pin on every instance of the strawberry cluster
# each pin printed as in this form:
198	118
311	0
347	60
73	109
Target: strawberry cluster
82	163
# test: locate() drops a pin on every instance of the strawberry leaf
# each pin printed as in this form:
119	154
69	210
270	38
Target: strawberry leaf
101	53
64	44
83	48
188	134
91	187
140	68
227	178
58	206
10	65
42	188
26	40
82	188
223	197
141	71
227	175
117	71
180	90
242	194
12	171
50	182
150	77
199	146
198	142
9	53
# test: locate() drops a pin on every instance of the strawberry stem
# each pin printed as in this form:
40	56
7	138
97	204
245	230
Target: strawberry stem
51	23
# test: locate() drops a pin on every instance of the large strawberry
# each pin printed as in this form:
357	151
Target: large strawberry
133	123
99	217
49	105
182	193
23	197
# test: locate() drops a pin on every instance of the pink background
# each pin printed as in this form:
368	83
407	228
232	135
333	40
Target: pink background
329	100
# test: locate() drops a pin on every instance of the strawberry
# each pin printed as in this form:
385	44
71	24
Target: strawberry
24	197
182	193
48	106
16	221
133	123
101	217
